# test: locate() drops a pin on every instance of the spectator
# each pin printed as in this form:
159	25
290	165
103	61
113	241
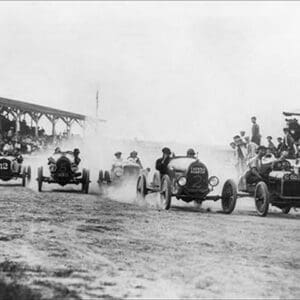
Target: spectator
241	154
271	145
251	148
256	137
289	144
10	132
8	148
280	146
242	135
234	156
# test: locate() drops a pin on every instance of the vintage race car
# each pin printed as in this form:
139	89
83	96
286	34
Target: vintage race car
187	179
12	168
280	188
62	172
120	173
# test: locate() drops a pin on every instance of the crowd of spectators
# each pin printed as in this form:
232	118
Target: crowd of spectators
246	147
24	141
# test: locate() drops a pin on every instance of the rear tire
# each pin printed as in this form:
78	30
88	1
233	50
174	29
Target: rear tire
166	192
40	178
141	187
229	196
262	199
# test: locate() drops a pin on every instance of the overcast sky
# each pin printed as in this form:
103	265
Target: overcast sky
184	71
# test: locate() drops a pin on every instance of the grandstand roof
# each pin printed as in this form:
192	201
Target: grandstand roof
30	107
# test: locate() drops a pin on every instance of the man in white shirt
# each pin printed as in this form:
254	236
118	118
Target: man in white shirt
251	148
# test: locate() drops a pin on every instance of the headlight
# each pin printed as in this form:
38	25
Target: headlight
286	177
213	180
182	181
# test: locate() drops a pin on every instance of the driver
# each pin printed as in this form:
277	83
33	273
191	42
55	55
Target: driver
17	162
162	163
76	161
191	153
118	161
135	159
52	161
260	165
255	172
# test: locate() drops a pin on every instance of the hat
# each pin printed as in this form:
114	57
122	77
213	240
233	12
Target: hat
118	153
133	152
190	152
166	150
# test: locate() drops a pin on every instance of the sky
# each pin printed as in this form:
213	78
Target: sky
165	71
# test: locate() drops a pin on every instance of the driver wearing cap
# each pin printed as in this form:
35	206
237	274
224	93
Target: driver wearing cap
134	158
117	161
162	163
191	153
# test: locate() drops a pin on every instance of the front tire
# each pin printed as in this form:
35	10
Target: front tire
166	192
229	196
107	177
28	173
23	177
262	199
85	181
101	177
40	178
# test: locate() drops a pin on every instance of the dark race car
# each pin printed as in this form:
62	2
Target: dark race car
12	167
280	188
63	172
120	173
187	179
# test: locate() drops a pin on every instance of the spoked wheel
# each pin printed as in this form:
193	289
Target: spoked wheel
85	181
262	199
40	178
107	177
24	176
28	173
141	187
286	209
166	192
229	196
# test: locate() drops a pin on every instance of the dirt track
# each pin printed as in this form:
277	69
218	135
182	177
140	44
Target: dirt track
64	245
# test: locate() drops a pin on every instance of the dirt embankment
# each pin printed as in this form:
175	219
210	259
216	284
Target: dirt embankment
65	245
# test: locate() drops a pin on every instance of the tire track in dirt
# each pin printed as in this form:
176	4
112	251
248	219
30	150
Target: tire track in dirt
69	246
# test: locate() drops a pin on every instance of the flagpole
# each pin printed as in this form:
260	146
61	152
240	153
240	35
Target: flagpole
97	103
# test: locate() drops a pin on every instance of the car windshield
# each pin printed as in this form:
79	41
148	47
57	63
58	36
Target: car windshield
181	163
